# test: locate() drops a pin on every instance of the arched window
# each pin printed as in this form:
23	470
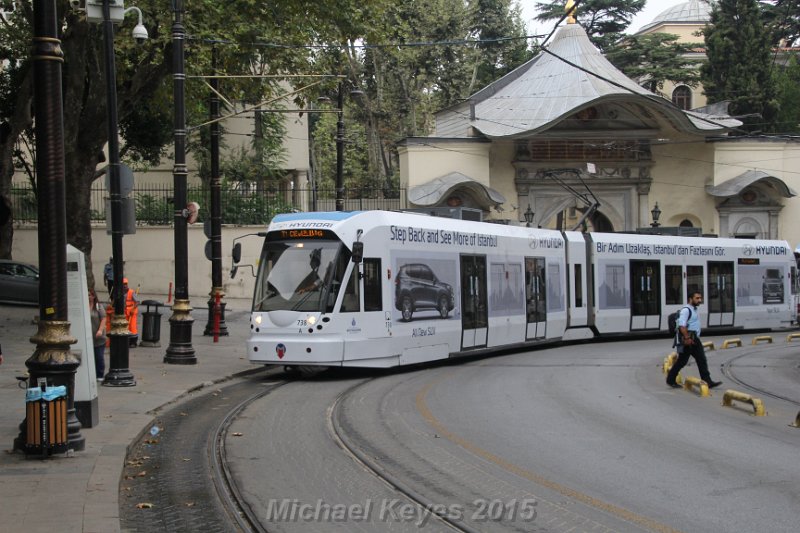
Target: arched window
686	223
682	97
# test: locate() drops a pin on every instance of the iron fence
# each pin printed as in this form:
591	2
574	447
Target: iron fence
154	207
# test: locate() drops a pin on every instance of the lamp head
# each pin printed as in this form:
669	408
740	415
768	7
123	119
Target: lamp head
140	33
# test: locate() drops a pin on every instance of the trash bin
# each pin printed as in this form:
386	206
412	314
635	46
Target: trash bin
151	324
46	420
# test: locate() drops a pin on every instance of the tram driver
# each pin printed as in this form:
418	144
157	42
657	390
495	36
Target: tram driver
312	281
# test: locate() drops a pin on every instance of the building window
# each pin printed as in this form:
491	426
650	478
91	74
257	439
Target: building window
682	97
686	223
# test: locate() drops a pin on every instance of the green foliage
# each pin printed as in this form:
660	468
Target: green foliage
739	67
355	161
603	20
783	19
654	58
788	89
153	210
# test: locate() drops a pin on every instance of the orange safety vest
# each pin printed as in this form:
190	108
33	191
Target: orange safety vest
131	312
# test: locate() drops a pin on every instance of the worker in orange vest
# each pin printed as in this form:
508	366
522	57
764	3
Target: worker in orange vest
131	312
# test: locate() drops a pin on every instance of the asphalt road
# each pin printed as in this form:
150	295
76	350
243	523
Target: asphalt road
579	438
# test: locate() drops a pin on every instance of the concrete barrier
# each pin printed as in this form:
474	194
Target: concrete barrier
731	342
702	386
709	346
731	395
792	336
762	338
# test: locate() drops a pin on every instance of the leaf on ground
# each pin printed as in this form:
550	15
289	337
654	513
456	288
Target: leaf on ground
144	505
237	434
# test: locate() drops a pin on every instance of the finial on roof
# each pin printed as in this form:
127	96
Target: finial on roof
570	9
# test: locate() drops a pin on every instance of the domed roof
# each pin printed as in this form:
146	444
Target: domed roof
692	12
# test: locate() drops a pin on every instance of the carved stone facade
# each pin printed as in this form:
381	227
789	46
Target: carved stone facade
560	180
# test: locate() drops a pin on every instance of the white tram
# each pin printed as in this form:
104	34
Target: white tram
381	289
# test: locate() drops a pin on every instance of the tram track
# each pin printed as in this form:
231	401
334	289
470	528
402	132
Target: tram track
229	494
728	370
371	464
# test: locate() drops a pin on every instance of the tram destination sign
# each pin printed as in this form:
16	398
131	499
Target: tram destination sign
301	233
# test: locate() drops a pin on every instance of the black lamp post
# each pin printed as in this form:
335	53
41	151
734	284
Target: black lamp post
119	375
656	212
180	350
52	359
216	212
528	214
340	150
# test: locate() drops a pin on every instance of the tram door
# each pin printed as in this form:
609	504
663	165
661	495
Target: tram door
720	297
474	308
535	298
645	295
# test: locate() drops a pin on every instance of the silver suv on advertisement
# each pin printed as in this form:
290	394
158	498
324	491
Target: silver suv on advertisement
772	289
417	287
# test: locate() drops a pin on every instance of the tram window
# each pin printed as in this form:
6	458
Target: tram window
351	301
794	280
673	283
694	280
578	286
373	297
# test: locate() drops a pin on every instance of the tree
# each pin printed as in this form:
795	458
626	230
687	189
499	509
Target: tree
498	25
443	51
788	88
783	18
603	20
143	81
654	58
739	67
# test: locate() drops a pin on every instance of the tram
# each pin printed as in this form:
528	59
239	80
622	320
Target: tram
382	289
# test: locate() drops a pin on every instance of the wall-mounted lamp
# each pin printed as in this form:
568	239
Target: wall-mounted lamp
528	214
656	212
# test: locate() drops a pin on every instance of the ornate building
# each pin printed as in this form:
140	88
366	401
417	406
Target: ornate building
571	139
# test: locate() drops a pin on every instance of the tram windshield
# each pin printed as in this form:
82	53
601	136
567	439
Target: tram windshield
300	275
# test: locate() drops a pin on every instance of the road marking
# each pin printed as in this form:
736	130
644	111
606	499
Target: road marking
619	512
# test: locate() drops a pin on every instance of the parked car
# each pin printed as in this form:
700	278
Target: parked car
19	283
417	287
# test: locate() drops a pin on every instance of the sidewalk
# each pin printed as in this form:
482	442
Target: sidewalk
81	493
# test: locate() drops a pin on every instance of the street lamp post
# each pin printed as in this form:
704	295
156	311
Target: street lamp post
180	350
340	149
52	359
212	326
119	374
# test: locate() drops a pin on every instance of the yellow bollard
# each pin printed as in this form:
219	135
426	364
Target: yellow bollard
709	346
731	342
668	362
764	338
796	421
731	395
691	381
792	336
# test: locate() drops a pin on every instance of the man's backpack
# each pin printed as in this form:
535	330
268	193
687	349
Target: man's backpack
672	320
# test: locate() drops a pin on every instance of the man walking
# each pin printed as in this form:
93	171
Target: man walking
108	275
688	343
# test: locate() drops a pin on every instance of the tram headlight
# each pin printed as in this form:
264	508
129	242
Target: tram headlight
257	320
312	320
